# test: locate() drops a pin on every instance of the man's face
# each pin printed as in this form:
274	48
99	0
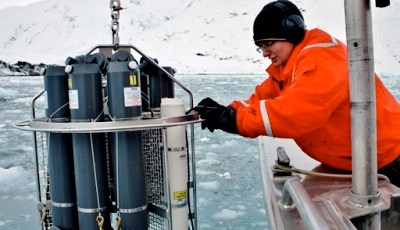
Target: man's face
278	51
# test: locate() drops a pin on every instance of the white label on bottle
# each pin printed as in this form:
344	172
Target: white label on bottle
73	99
132	96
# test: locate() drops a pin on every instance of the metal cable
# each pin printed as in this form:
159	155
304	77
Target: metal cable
51	116
94	173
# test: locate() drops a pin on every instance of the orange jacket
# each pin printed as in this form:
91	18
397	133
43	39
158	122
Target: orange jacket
309	100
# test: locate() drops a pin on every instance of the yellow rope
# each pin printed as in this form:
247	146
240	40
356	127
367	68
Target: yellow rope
280	168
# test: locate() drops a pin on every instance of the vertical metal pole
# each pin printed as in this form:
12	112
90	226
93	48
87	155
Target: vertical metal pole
39	194
363	112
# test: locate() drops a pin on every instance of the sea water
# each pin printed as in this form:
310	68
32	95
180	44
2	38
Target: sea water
229	194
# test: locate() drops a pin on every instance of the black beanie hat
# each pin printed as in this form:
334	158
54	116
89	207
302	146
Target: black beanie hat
279	20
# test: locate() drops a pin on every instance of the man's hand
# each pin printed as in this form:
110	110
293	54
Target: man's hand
216	116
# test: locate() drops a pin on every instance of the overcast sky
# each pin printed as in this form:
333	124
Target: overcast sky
7	3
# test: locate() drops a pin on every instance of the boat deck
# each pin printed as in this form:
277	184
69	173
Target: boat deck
298	201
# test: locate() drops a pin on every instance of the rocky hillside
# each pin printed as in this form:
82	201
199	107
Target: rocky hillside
21	68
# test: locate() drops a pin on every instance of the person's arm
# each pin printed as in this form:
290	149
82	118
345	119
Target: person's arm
217	116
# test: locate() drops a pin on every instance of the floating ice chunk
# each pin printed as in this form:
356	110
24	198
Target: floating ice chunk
212	185
10	174
211	155
215	146
262	211
26	100
227	214
201	201
230	143
207	162
202	172
204	139
7	92
225	175
26	216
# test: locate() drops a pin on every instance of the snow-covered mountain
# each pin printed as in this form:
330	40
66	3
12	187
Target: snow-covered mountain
194	36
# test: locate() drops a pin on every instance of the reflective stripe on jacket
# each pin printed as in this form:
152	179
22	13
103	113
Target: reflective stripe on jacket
309	100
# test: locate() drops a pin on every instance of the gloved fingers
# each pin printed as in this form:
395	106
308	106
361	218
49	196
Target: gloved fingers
205	125
221	118
200	109
195	109
211	119
205	111
208	102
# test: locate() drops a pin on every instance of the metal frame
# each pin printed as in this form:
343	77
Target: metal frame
44	125
293	192
112	48
41	125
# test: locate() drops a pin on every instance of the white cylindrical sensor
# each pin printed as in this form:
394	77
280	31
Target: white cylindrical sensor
177	160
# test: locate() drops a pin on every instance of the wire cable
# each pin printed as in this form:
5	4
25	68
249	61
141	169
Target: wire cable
188	187
51	116
94	173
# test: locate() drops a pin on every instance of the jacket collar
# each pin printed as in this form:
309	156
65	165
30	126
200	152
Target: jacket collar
312	38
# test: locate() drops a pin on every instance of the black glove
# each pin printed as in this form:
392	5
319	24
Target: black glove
216	116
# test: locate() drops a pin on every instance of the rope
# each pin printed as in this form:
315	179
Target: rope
280	168
43	216
94	173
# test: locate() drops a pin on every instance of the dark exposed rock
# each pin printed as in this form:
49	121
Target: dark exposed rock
21	68
202	54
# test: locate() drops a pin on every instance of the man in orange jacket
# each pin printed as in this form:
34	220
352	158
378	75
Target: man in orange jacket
306	96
